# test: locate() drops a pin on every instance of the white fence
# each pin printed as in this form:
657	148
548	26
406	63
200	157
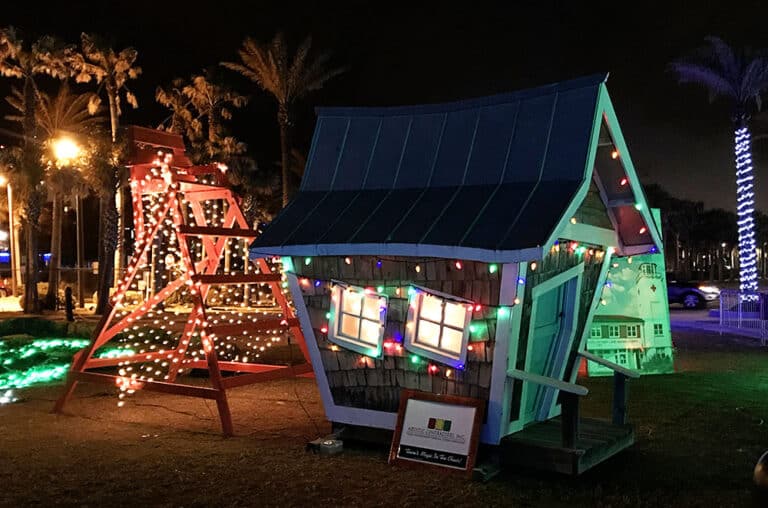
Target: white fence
745	310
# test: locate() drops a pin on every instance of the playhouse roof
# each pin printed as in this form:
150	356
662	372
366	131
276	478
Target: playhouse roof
488	179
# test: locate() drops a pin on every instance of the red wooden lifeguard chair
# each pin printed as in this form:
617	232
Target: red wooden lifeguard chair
172	311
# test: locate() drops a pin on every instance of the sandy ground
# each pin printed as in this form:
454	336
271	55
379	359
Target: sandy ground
699	433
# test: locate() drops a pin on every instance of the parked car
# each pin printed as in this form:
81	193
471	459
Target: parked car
691	295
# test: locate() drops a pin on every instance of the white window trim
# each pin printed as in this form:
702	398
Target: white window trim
334	322
618	331
660	328
636	333
414	309
598	329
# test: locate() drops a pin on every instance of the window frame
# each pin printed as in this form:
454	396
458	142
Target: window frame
636	329
618	331
660	327
410	340
598	329
335	320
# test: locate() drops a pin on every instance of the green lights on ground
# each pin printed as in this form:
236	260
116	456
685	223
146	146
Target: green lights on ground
39	361
502	312
307	261
35	375
493	268
415	359
115	353
638	206
380	289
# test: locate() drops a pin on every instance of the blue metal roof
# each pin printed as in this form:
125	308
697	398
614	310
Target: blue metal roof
481	177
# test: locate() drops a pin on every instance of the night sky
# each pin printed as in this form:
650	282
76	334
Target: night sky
405	54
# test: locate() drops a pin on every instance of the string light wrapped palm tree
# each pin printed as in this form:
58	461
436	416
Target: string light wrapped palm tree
740	78
287	78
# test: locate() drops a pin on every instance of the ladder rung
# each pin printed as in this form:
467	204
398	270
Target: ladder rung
268	323
237	278
217	231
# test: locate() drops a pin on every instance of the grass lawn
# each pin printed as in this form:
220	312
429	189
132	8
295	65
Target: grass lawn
699	434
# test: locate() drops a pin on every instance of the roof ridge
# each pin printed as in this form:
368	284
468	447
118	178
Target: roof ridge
476	102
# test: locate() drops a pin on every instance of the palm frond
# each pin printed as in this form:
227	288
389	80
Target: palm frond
689	72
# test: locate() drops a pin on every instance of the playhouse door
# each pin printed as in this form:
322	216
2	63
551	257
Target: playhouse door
550	338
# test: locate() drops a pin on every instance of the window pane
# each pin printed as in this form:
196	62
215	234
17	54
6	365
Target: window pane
455	314
370	332
452	340
352	302
372	307
432	308
350	326
429	333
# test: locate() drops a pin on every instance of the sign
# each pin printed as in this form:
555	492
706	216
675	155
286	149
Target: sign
437	430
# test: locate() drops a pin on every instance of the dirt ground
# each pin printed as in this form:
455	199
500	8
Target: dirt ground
699	433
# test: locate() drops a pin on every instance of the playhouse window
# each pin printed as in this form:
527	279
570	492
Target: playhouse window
658	329
633	331
438	327
358	318
613	331
596	332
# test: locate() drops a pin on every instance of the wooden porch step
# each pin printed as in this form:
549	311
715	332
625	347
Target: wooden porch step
268	323
237	278
217	231
539	446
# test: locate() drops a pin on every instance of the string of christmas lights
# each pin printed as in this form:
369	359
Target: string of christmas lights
157	314
745	209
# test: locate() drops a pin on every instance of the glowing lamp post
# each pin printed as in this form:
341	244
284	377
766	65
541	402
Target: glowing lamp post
13	245
65	150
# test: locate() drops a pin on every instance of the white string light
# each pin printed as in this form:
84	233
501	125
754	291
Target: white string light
745	209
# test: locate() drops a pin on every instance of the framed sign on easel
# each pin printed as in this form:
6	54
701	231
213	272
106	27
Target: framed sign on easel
437	430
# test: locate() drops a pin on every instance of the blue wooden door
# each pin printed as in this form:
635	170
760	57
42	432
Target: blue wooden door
543	334
550	338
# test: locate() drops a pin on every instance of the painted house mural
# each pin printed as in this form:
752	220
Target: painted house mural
462	249
631	327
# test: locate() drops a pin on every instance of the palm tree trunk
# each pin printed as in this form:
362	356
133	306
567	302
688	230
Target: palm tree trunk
745	204
31	300
285	149
54	269
119	257
32	169
108	244
112	97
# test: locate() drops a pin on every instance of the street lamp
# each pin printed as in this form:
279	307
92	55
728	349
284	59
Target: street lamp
65	150
14	246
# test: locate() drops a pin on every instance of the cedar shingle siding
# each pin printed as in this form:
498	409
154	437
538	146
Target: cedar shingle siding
360	381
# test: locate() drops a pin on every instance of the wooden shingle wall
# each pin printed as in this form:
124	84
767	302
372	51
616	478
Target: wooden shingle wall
360	381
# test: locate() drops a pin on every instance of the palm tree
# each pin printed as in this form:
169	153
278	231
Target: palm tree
26	62
198	110
111	69
287	79
65	114
740	78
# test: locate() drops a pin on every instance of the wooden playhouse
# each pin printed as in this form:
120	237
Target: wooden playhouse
461	249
